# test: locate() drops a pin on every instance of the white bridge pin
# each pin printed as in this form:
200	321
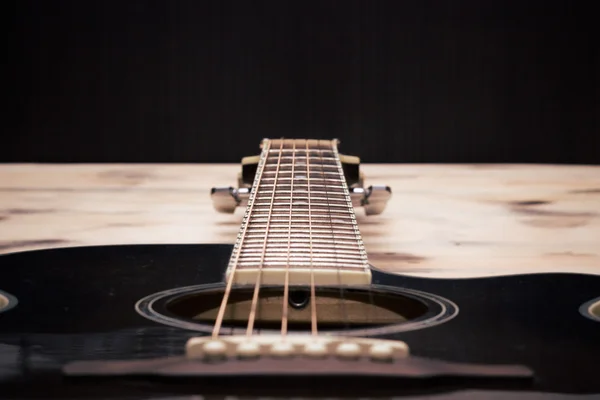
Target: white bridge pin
315	349
282	349
248	349
214	348
381	352
348	350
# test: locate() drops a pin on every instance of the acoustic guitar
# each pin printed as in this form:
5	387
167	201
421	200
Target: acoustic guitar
293	308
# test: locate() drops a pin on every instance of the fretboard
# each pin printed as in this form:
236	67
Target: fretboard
299	221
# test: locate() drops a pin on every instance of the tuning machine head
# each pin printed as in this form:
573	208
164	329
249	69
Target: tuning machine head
373	198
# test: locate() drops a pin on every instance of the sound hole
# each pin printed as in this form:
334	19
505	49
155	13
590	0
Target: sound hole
335	310
375	310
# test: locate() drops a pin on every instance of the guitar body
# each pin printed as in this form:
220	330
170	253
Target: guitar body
78	304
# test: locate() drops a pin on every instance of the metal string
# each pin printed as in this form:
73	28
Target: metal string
252	316
313	303
223	306
284	311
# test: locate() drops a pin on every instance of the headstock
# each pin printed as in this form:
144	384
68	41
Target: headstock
373	198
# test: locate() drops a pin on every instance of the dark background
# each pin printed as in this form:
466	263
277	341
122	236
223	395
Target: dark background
396	81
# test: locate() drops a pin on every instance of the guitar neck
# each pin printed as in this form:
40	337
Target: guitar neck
299	224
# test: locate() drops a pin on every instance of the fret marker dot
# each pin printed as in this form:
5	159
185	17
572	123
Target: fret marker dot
214	348
348	350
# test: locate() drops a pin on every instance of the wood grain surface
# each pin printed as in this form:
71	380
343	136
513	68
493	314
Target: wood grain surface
442	221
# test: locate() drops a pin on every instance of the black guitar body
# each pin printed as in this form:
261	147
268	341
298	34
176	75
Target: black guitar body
78	304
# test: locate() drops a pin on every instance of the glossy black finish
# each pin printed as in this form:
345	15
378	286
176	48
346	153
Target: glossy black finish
78	304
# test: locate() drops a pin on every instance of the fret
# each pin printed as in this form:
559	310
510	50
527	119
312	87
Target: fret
299	235
301	172
303	205
329	160
283	264
296	207
302	179
295	236
321	241
325	220
299	188
302	194
297	260
282	250
301	216
330	230
315	242
301	166
302	197
331	257
303	227
301	151
279	212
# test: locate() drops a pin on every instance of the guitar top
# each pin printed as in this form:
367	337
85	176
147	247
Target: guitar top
295	307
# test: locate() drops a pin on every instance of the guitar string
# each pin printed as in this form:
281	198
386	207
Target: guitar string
252	316
284	311
313	303
342	302
234	263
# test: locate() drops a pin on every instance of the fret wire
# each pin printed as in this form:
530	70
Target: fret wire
301	201
300	208
318	192
282	250
349	238
324	265
346	243
288	174
304	213
299	231
301	245
307	220
320	257
300	227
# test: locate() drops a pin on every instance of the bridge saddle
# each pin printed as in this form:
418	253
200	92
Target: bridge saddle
294	346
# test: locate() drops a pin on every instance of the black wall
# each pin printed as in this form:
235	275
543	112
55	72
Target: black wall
396	81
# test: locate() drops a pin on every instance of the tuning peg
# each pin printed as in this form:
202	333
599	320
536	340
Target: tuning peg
373	199
226	198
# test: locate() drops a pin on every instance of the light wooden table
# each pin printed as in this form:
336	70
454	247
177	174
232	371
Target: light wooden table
442	221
